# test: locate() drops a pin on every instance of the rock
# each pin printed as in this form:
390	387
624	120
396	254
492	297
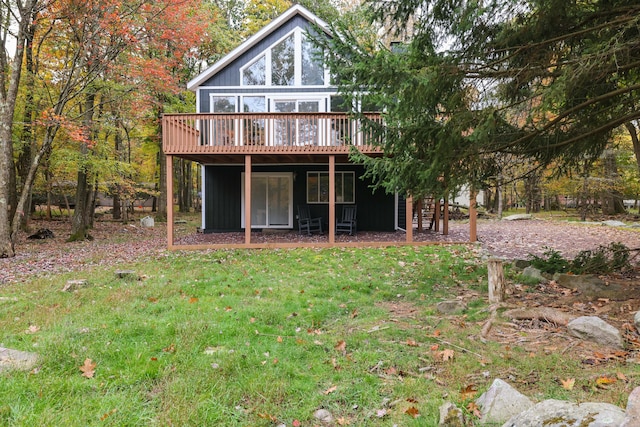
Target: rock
534	273
592	286
517	217
451	307
73	285
632	415
556	413
612	223
147	221
126	274
450	416
546	314
593	328
521	263
501	402
16	359
636	320
42	233
323	416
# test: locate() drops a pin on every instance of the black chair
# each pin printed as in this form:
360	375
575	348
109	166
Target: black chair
306	223
348	222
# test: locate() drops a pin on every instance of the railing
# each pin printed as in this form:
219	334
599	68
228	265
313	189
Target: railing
188	133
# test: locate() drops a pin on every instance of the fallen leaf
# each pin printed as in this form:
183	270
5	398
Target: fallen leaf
193	300
89	368
604	381
228	308
568	383
435	347
330	390
380	413
279	339
170	349
621	376
473	408
413	411
354	313
341	346
411	342
32	329
296	423
268	417
343	421
468	392
447	355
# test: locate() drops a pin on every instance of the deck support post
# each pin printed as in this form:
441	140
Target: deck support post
247	199
169	167
473	217
332	199
436	215
409	219
445	216
419	213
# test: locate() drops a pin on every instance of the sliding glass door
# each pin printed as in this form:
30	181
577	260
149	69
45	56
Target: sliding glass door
271	200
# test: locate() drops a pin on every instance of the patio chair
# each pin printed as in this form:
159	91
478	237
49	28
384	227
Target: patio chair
306	223
348	222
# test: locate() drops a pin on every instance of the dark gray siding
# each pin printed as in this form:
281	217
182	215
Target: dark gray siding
223	204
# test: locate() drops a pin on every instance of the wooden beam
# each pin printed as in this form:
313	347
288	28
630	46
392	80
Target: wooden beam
436	216
247	199
419	213
332	199
445	217
169	166
473	217
409	219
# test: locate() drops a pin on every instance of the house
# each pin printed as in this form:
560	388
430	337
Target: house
271	134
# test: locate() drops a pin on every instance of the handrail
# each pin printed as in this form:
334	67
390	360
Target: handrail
190	133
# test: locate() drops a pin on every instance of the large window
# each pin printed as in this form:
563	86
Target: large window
291	61
318	187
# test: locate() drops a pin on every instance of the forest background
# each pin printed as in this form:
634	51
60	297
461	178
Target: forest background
83	85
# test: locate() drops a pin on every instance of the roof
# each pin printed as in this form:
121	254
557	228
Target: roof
253	40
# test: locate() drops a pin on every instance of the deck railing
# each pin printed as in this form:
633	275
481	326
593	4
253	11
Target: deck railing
188	133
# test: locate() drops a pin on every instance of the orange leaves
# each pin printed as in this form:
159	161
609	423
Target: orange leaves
88	368
568	383
469	392
412	411
330	390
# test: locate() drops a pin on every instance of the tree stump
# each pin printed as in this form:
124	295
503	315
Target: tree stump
496	281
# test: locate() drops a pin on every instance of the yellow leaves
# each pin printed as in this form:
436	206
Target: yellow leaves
88	368
604	381
568	383
330	390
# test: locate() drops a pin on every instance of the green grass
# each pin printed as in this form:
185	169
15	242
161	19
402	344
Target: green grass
252	338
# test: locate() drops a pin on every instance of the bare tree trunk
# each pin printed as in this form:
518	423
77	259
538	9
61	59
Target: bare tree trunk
161	214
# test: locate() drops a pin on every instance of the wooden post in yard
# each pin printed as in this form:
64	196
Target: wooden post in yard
409	219
247	199
170	232
332	199
496	280
473	217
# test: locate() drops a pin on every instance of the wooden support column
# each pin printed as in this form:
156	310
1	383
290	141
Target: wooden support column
247	199
409	219
332	199
445	217
473	217
436	216
419	213
169	201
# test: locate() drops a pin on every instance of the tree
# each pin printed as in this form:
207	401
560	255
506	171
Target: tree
543	80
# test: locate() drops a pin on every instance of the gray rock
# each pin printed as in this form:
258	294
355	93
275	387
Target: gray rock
73	285
451	416
16	359
593	328
556	413
147	221
612	223
592	286
636	320
521	263
451	307
126	274
534	273
501	402
517	217
323	416
632	415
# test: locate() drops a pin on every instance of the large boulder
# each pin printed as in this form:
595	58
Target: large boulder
16	359
591	286
501	402
593	328
557	413
632	416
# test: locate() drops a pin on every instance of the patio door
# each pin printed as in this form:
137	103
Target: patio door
271	200
296	131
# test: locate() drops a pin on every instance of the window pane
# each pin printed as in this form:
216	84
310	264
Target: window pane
313	188
253	129
254	104
282	62
278	201
258	201
349	187
224	104
312	67
254	74
339	193
324	188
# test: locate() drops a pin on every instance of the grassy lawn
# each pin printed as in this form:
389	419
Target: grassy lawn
260	338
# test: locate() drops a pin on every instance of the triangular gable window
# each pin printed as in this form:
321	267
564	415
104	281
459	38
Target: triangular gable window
292	61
